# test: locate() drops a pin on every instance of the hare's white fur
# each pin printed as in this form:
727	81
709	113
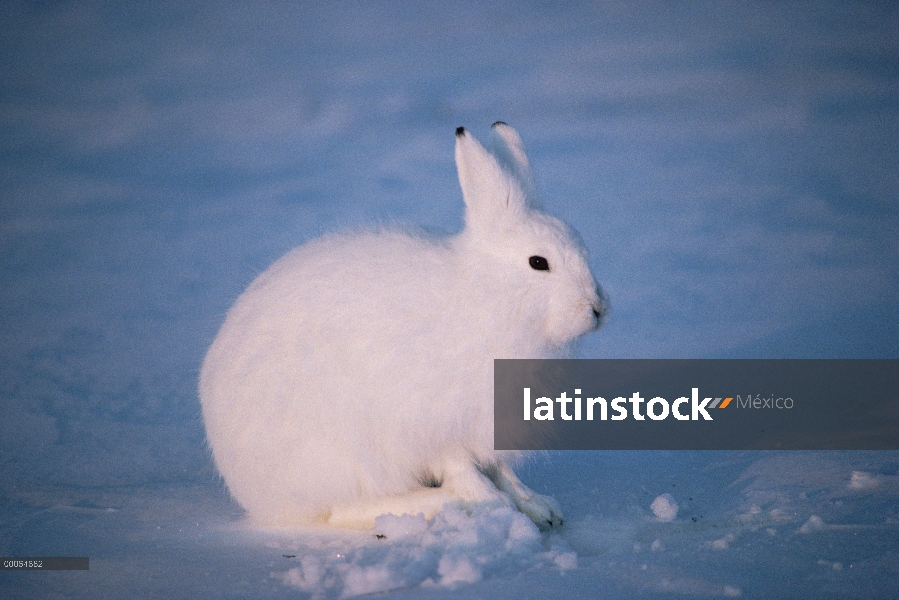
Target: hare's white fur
354	377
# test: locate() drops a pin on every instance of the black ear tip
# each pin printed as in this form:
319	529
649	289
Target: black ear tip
460	131
498	123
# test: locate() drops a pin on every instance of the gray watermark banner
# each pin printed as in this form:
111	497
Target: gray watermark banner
45	563
751	404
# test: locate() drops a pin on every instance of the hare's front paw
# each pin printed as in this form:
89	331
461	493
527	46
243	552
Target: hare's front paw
542	510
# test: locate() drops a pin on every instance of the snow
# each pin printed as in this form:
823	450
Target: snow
452	549
664	507
730	166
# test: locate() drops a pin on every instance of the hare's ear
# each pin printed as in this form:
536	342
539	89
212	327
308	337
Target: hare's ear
489	192
509	150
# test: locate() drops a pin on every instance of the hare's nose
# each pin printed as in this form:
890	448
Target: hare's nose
600	307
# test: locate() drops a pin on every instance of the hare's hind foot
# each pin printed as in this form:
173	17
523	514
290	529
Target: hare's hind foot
457	483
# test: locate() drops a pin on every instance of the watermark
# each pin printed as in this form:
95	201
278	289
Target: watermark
657	409
696	404
45	563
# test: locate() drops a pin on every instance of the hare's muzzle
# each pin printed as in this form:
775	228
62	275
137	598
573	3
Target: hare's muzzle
600	308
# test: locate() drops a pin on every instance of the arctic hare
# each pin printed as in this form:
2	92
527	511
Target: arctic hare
354	377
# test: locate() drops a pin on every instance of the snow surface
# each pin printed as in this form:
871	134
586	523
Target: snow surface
731	167
664	507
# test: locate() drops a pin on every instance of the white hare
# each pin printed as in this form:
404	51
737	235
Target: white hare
354	377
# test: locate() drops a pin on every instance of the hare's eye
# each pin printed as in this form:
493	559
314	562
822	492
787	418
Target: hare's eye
538	263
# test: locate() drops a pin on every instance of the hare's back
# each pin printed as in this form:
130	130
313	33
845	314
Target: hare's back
354	284
358	268
339	305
